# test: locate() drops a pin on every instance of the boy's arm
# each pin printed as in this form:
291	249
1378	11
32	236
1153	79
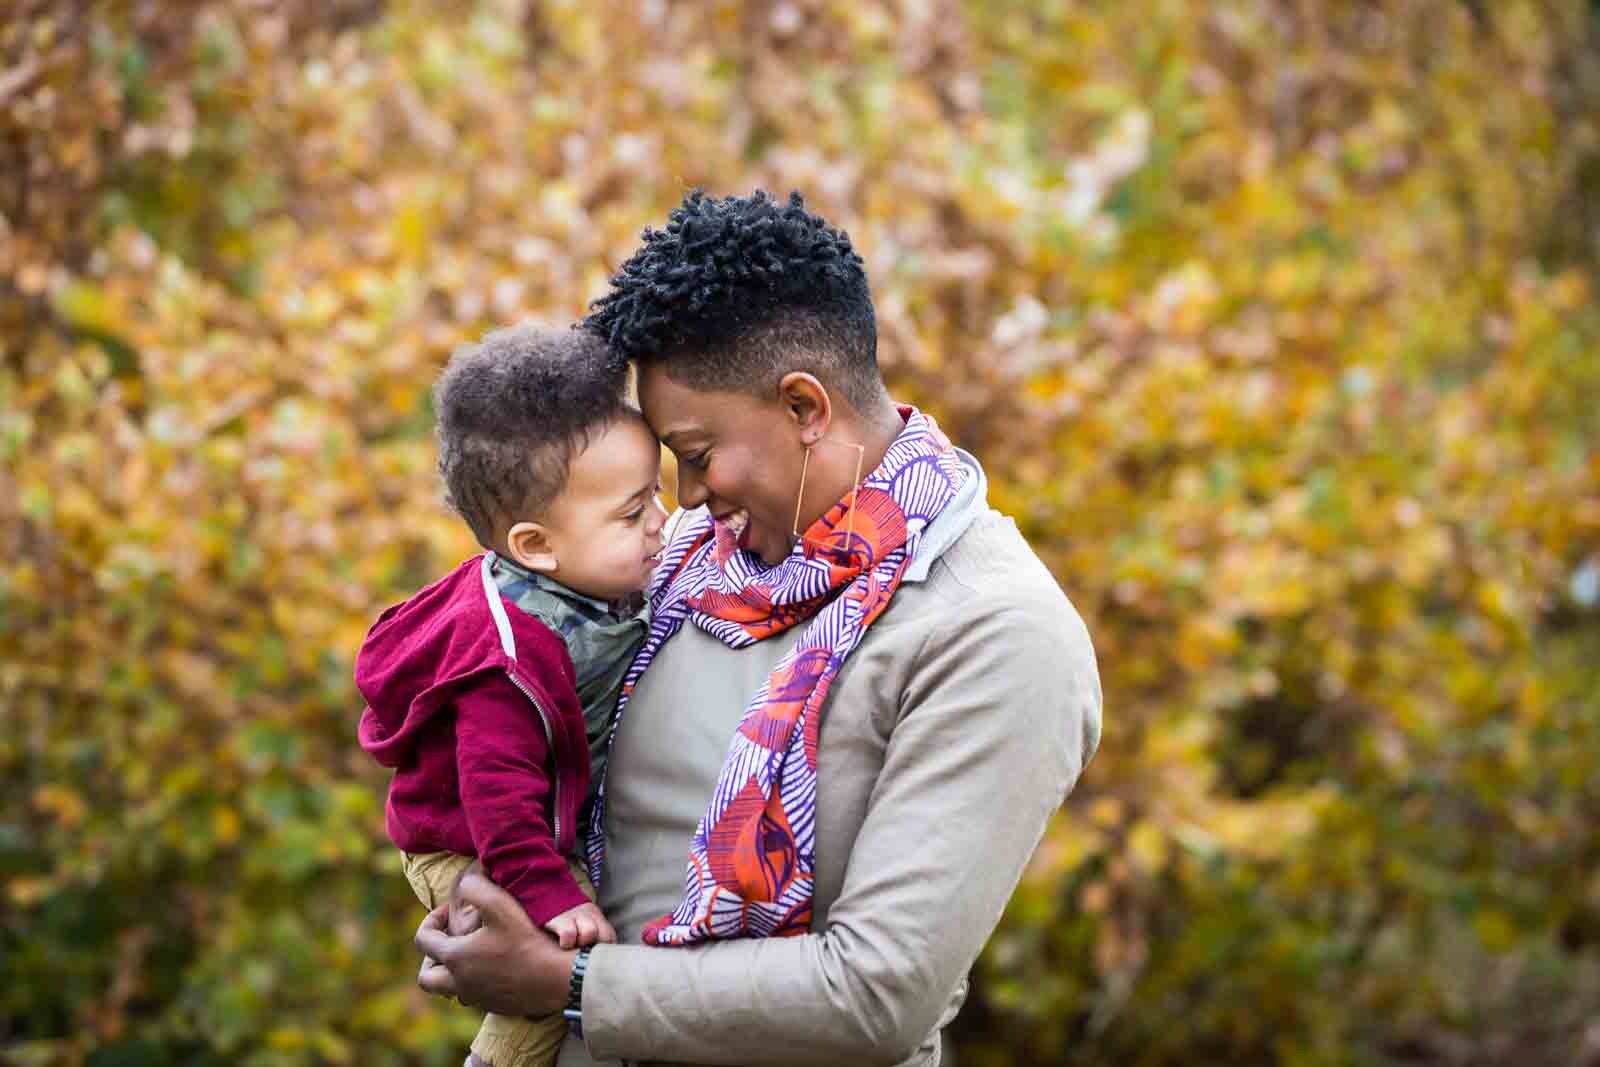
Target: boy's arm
501	757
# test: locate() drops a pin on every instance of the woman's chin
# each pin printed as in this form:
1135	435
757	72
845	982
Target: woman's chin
769	548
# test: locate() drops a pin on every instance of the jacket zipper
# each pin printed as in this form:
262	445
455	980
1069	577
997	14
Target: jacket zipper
549	738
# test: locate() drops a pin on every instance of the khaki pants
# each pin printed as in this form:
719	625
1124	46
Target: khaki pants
503	1040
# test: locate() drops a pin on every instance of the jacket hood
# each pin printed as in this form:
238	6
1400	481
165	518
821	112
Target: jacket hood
424	650
970	501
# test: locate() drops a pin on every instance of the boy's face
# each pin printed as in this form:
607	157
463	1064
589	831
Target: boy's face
602	535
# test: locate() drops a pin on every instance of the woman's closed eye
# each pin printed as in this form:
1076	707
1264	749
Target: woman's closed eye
698	460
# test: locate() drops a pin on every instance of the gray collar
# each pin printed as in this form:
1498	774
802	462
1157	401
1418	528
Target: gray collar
970	501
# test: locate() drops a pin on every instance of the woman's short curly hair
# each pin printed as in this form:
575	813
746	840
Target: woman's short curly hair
738	291
512	410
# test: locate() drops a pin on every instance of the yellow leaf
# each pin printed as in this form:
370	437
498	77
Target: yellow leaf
1495	929
287	1038
64	803
1149	846
225	825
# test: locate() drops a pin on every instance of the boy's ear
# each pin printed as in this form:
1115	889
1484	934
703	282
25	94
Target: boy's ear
529	544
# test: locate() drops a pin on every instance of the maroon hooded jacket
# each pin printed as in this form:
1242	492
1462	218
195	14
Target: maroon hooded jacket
476	709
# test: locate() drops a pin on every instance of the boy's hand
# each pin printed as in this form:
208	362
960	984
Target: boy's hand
581	927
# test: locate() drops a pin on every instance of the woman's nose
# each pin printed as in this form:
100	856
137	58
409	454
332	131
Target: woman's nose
691	490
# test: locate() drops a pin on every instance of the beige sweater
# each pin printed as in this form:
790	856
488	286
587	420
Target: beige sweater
950	737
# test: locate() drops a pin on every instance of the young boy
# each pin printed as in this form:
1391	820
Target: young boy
491	692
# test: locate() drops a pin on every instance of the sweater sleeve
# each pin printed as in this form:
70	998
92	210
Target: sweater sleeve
1000	713
501	756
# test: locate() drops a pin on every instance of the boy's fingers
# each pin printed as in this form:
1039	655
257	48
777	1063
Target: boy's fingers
564	929
607	934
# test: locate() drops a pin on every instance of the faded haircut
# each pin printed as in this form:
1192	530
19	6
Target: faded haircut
737	292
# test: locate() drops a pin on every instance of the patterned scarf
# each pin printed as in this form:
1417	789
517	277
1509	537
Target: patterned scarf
752	858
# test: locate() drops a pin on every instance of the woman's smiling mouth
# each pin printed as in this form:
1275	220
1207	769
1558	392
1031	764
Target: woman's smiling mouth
736	522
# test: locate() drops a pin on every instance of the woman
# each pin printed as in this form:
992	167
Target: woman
908	694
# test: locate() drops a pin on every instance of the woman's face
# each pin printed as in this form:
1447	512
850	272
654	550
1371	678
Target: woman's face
739	456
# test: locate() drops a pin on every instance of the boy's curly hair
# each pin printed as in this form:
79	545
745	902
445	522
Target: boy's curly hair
512	410
736	292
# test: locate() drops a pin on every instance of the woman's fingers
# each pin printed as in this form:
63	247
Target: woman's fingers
435	944
464	919
433	939
495	906
435	978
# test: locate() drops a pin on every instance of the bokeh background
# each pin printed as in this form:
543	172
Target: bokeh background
1274	322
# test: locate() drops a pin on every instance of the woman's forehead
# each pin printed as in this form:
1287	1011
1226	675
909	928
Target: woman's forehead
678	412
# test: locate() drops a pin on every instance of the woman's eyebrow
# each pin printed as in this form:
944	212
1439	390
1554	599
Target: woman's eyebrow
680	436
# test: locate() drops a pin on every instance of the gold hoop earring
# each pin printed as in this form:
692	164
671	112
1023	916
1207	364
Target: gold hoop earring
855	488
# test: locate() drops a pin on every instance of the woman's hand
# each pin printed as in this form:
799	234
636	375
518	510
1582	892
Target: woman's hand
507	965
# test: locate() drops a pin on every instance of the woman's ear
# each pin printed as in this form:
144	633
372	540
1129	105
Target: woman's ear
808	405
529	544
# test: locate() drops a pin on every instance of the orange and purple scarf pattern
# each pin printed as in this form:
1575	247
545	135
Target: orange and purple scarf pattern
752	856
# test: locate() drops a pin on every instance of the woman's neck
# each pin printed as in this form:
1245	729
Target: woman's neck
835	471
878	433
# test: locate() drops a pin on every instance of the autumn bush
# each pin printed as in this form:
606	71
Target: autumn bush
1273	321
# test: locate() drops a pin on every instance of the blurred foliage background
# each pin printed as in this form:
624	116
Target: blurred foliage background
1274	322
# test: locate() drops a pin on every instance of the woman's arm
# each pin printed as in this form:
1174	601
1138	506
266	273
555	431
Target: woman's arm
1001	713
